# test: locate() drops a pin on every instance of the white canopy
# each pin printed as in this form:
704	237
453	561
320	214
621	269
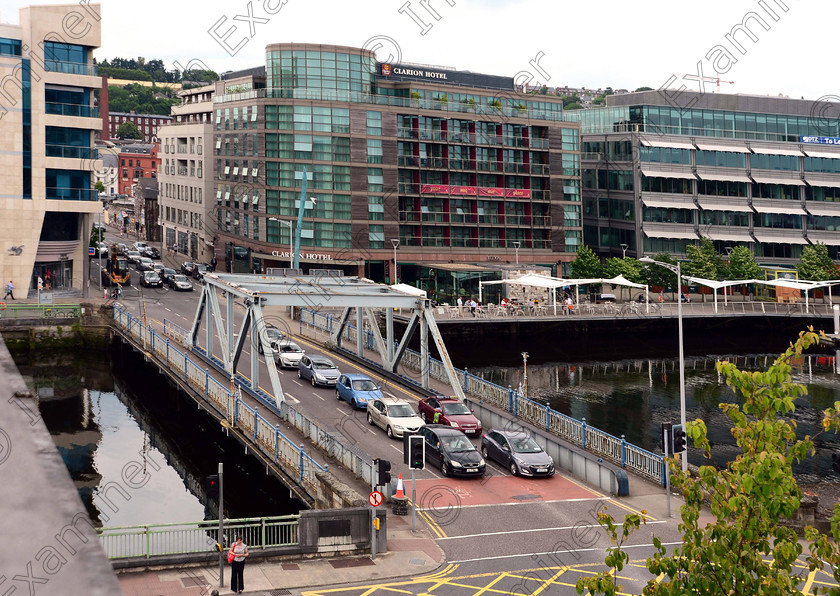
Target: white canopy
410	290
529	279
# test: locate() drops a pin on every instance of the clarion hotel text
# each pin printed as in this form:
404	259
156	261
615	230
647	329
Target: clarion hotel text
419	73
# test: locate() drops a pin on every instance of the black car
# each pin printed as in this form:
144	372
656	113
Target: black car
167	273
200	270
151	279
518	452
152	252
187	268
452	451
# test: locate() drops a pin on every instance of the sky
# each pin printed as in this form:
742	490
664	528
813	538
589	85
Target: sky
617	43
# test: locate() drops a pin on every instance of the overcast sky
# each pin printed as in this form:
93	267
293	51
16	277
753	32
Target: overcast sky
615	43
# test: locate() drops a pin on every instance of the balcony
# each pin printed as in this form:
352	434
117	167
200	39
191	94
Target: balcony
74	68
539	143
71	109
72	194
71	152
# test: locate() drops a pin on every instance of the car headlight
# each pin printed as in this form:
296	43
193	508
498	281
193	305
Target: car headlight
453	424
456	464
481	462
319	376
520	462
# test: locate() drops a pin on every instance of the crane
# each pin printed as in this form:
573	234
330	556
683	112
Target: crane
719	82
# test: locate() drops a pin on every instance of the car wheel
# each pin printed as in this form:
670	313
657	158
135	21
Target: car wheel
312	380
259	348
513	469
337	395
485	452
444	469
300	374
389	432
369	417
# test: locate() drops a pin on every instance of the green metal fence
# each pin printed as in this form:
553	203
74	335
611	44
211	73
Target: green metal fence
39	311
197	537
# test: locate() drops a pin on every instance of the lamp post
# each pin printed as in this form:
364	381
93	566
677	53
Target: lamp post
516	244
676	269
396	244
623	250
525	372
291	240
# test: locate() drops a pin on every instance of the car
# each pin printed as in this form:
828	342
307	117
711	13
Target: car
287	354
273	335
319	370
518	452
145	264
152	252
121	248
98	225
151	279
159	267
166	273
140	246
452	451
180	283
200	270
357	389
133	256
452	412
187	268
102	250
395	416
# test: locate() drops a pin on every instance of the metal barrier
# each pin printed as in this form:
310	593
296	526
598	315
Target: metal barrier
39	311
197	537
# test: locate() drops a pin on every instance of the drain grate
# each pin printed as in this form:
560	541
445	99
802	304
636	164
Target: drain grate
343	563
282	592
192	582
527	497
417	562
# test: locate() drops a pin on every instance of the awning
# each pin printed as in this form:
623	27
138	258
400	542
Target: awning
794	209
657	142
410	290
672	234
704	146
769	179
667	203
822	153
823	208
776	151
823	236
817	180
740	206
730	235
651	172
765	236
731	176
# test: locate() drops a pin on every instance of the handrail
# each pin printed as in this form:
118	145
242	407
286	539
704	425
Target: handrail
42	311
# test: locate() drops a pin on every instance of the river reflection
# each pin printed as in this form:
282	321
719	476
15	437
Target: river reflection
633	397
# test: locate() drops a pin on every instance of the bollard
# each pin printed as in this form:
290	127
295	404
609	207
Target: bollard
510	399
256	421
547	417
623	451
206	383
301	463
583	432
277	442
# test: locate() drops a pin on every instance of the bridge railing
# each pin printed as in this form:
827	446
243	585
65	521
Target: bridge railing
196	537
271	441
645	463
39	311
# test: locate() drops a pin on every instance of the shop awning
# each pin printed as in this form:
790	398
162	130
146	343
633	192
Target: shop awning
729	235
823	208
667	203
765	236
822	153
671	234
410	290
817	180
794	209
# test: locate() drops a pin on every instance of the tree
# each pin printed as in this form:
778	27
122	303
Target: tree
741	265
573	106
643	89
599	101
129	130
570	99
99	187
587	265
816	265
744	549
631	269
704	260
655	275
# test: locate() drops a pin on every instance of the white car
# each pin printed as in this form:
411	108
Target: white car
287	354
394	416
102	250
133	257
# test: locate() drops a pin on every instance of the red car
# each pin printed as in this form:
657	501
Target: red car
451	412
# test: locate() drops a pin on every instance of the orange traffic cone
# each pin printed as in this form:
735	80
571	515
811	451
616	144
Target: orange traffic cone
400	489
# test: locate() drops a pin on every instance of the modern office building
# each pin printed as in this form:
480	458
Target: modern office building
47	123
661	170
187	213
451	171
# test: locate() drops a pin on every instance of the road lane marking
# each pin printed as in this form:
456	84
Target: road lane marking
298	382
557	529
318	396
560	552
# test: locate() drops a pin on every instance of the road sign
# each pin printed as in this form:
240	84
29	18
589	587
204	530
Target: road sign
375	498
91	251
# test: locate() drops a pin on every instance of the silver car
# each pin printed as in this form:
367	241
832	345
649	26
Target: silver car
394	416
319	370
181	283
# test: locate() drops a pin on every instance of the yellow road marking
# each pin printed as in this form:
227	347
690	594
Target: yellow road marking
491	584
808	582
548	582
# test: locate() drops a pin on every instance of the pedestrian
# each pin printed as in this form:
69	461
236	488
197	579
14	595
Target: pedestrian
48	277
122	231
213	264
473	304
570	306
10	287
661	298
240	551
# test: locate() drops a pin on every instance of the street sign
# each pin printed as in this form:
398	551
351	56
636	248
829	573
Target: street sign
375	498
91	251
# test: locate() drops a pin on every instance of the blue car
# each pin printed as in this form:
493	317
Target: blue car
357	389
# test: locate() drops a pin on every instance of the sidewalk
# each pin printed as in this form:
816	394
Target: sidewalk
409	555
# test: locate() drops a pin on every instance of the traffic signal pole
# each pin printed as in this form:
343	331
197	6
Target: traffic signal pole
666	442
221	529
413	502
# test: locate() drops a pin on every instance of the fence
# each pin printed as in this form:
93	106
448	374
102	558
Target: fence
268	438
197	537
638	460
40	311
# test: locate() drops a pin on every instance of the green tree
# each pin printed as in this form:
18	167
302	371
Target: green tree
655	275
587	265
599	101
816	265
744	549
99	186
643	89
573	106
129	130
703	261
741	265
570	99
631	269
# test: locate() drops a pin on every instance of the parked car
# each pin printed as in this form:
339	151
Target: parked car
187	268
273	335
145	264
357	389
98	225
394	416
319	370
180	283
152	252
151	279
166	273
200	270
449	411
452	451
517	452
288	354
133	256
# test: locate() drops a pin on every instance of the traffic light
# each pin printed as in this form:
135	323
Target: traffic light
211	487
414	451
383	470
835	461
679	438
666	431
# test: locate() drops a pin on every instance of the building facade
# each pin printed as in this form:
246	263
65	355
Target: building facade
762	172
136	161
441	167
47	127
147	124
187	176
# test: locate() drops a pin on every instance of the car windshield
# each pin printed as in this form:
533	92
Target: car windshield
121	266
457	444
455	409
291	348
273	333
133	253
181	278
152	276
145	260
321	365
400	411
169	272
524	445
364	385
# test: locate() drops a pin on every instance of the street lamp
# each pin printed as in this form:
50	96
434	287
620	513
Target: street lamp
623	250
525	373
288	222
396	244
516	244
676	269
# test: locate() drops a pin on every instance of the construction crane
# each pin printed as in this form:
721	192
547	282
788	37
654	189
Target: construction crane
719	82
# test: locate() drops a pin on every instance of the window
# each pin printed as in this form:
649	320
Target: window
10	47
374	151
374	124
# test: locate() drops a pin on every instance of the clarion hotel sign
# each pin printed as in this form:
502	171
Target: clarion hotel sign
387	69
307	255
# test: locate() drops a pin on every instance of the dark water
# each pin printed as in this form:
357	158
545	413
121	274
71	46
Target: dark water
632	398
139	451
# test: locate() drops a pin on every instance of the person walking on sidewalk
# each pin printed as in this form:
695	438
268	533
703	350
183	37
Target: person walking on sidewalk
240	551
10	287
